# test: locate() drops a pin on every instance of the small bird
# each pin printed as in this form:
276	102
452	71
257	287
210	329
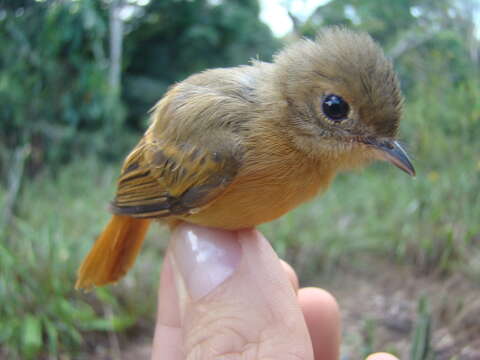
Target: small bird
232	148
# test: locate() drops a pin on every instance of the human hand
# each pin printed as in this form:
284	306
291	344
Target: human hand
226	295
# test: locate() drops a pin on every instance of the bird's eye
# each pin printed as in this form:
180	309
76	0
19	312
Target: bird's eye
335	108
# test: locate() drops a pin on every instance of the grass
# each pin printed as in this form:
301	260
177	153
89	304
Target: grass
430	223
58	219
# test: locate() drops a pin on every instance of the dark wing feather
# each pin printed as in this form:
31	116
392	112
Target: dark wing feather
161	179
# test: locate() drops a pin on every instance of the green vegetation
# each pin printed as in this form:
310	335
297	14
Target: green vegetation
57	103
421	339
53	84
54	228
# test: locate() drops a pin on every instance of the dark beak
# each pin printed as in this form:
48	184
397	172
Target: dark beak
393	152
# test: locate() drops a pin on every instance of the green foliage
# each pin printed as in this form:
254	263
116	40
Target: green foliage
41	312
175	39
414	33
383	20
422	335
53	84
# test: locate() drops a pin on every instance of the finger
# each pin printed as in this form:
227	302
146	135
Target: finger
322	316
168	312
235	297
292	275
381	356
167	341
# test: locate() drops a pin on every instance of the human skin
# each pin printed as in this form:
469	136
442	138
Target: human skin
227	295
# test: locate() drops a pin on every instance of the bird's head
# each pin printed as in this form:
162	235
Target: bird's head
343	99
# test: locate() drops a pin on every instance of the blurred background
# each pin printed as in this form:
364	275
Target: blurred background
77	78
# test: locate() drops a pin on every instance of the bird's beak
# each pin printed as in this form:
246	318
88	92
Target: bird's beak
393	152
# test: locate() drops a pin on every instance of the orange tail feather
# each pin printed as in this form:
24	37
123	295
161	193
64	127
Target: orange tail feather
113	253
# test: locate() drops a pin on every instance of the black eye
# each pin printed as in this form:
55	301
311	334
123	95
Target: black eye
335	108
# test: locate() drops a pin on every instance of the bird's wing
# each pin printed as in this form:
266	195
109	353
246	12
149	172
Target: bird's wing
163	178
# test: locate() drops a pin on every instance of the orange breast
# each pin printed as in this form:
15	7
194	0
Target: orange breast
264	193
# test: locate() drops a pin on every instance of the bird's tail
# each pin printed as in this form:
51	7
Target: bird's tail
113	253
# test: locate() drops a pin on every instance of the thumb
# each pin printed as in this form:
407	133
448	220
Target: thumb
234	297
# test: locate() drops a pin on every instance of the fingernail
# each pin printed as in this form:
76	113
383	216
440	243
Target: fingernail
204	257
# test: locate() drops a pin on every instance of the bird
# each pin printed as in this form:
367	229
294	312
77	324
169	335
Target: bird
233	148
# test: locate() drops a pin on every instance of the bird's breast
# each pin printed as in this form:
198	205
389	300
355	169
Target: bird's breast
264	191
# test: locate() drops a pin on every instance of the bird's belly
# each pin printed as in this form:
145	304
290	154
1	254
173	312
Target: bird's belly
250	202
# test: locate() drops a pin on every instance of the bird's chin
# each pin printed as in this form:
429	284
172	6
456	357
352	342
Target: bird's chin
343	154
357	156
351	152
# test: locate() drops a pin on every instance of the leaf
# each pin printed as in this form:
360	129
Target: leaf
421	343
52	334
113	323
106	296
31	336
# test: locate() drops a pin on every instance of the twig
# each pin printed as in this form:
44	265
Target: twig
15	176
115	351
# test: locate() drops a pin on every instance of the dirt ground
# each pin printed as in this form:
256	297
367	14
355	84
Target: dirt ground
384	304
379	313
